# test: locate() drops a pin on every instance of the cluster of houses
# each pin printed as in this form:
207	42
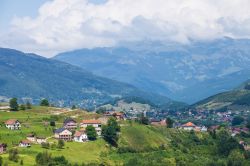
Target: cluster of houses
187	126
65	133
70	126
70	131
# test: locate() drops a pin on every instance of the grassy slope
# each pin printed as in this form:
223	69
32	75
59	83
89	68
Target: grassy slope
144	140
141	137
222	99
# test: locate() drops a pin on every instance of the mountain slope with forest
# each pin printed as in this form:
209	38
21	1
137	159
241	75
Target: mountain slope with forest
31	76
239	97
200	68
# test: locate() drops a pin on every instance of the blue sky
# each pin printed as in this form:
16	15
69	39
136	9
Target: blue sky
20	8
48	27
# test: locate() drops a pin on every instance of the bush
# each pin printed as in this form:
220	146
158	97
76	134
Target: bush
43	158
235	158
52	123
60	144
45	145
13	155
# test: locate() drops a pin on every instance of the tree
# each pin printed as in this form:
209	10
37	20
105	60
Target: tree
144	120
52	123
43	158
110	132
60	161
248	122
235	158
22	107
101	110
112	122
13	104
28	105
225	142
45	145
73	107
44	102
237	120
169	122
21	162
13	155
91	133
1	161
60	144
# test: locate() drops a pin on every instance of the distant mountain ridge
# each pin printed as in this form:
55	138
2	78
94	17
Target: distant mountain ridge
186	73
32	76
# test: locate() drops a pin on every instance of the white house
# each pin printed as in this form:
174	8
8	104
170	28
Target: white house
203	129
95	123
40	140
31	137
63	134
92	122
13	124
80	136
188	126
25	143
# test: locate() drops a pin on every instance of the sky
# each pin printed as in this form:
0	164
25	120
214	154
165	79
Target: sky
48	27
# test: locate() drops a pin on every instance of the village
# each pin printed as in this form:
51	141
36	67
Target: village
71	130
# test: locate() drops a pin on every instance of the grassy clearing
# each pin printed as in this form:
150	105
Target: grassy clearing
141	137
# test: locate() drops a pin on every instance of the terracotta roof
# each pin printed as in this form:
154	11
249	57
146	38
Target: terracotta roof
189	124
91	121
78	133
25	141
11	121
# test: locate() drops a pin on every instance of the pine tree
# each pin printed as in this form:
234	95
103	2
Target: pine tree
28	105
13	104
44	102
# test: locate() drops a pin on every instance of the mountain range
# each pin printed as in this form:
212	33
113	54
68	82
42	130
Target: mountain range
29	76
183	72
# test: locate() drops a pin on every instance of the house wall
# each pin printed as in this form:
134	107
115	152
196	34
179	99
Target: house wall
39	141
85	125
16	126
1	149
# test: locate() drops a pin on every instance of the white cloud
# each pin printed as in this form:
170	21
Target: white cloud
70	24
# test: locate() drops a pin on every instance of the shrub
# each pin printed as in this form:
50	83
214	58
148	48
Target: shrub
60	144
45	145
13	155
